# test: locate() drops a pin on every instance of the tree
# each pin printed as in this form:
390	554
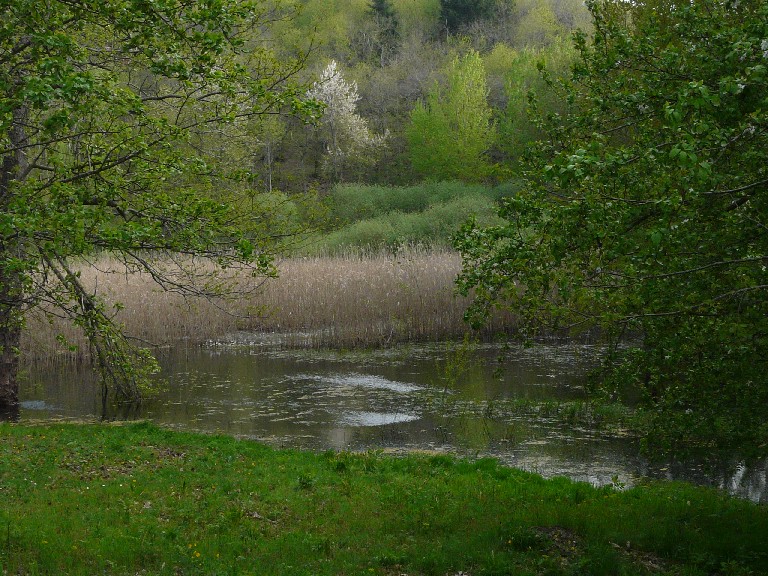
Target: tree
645	216
456	14
387	28
104	108
383	9
345	135
450	134
526	88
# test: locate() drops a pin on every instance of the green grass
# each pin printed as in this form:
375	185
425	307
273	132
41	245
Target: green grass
136	499
433	227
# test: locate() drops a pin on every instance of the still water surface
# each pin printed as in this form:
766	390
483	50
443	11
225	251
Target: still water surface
439	397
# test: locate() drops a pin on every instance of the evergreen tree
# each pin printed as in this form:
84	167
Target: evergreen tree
387	28
455	14
382	9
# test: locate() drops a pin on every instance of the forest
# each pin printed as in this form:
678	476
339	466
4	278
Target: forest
240	132
418	90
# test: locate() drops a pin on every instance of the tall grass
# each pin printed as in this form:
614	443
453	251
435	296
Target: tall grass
351	300
373	299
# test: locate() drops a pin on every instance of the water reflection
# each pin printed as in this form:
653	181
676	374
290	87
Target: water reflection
375	418
426	398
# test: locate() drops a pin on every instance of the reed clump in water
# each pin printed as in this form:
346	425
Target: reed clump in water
355	299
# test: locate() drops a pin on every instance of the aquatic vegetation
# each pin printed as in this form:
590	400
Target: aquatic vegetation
350	300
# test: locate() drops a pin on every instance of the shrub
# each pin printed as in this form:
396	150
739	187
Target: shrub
378	216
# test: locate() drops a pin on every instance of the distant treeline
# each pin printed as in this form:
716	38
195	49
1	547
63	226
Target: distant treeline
413	90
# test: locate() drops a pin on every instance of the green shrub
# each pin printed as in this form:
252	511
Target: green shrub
373	233
375	217
353	202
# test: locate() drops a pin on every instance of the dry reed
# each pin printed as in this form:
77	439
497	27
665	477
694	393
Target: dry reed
320	301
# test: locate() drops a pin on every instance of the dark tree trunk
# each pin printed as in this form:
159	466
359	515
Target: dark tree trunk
12	171
10	338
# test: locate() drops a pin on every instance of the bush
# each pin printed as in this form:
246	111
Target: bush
350	203
373	233
379	217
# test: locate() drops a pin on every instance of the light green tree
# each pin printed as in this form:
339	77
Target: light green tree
537	24
451	133
645	216
105	112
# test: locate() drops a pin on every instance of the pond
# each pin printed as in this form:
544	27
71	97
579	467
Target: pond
470	400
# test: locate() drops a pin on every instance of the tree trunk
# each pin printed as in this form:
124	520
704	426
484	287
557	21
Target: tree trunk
12	171
10	338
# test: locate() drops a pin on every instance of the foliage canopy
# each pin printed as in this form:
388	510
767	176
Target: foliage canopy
645	216
451	133
106	111
458	13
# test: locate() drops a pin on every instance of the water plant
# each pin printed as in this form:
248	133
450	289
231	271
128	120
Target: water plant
347	300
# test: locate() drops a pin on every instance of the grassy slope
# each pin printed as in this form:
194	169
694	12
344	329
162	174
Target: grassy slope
87	499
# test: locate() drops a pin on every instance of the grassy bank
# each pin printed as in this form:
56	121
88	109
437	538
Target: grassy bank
140	500
324	301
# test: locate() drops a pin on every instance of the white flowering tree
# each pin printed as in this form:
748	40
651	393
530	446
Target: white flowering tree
344	134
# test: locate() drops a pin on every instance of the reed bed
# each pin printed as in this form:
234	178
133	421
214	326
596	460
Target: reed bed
341	301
